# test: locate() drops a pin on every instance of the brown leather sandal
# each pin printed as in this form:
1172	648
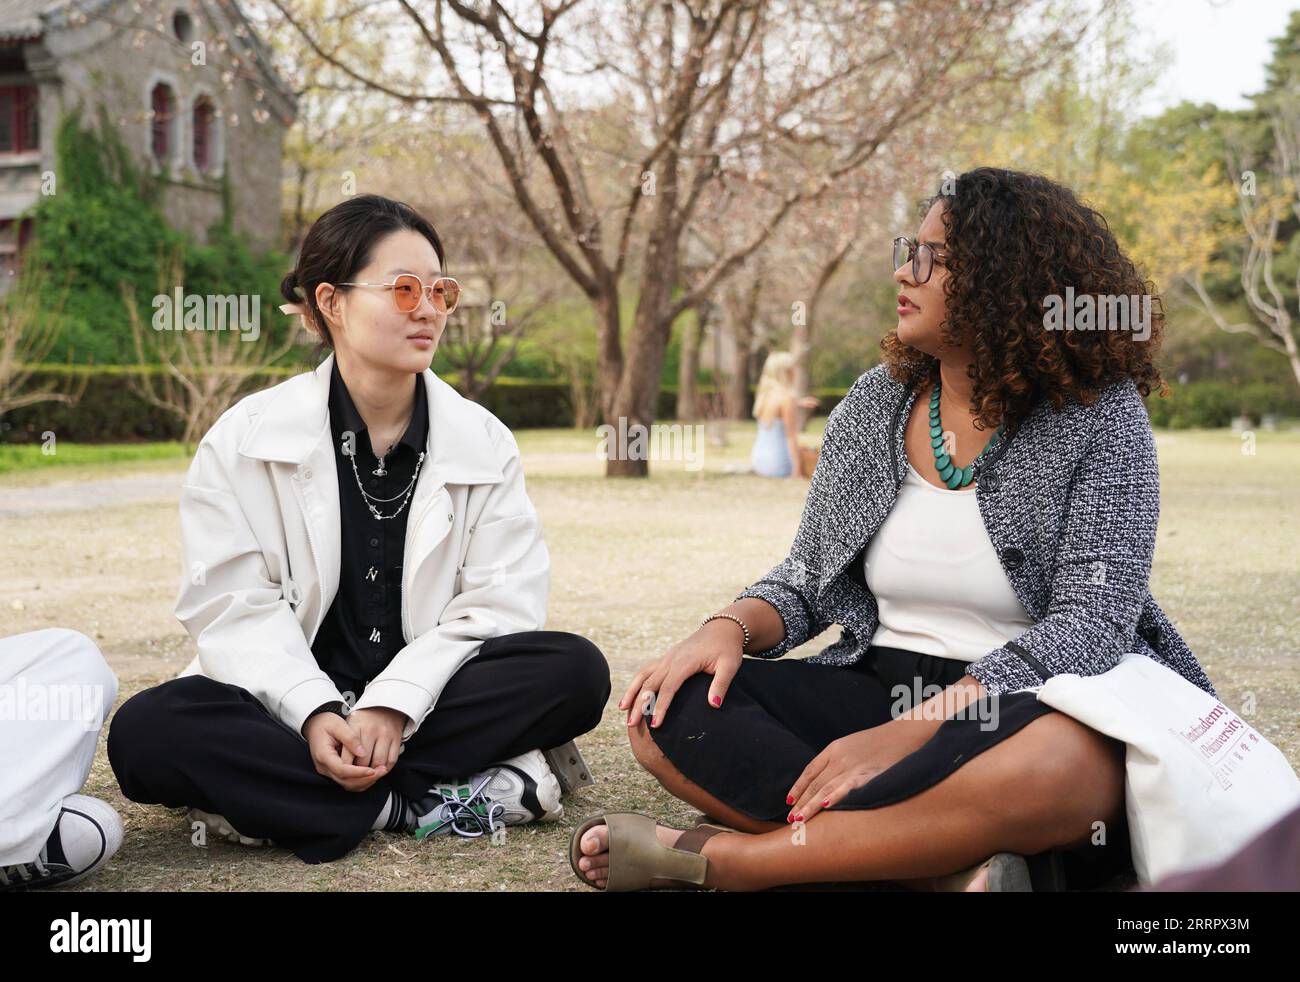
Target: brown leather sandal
639	861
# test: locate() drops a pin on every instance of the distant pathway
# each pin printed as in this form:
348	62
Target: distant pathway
93	493
129	489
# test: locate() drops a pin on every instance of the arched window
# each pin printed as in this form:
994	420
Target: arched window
182	26
162	101
205	144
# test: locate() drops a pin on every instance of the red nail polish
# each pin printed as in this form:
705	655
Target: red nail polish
789	819
789	799
798	818
717	700
826	803
655	721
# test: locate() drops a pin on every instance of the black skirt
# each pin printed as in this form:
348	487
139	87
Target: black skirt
779	714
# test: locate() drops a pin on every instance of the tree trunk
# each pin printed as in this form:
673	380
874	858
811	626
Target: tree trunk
803	328
738	406
635	402
609	350
802	345
618	389
688	369
742	308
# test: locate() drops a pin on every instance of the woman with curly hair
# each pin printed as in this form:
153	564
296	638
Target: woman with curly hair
983	517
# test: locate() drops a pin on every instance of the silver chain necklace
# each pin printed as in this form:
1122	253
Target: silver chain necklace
404	494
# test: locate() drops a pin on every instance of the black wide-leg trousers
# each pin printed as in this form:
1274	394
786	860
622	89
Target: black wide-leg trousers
196	743
779	714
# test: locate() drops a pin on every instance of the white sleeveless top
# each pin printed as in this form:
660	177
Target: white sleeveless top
939	583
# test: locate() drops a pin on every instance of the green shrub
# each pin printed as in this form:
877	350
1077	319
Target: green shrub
103	227
111	412
1210	404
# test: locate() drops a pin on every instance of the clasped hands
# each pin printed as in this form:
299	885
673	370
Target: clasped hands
357	751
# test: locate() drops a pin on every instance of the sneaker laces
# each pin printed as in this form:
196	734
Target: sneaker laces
22	871
470	816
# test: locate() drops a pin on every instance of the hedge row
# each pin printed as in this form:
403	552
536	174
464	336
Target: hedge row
111	412
1211	404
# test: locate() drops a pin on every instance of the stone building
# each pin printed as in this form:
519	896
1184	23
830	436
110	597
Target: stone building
188	84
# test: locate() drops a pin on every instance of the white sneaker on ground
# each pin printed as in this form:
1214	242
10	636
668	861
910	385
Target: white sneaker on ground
218	826
86	835
517	791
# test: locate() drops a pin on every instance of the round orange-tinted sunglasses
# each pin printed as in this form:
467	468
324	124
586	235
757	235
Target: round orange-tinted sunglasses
443	293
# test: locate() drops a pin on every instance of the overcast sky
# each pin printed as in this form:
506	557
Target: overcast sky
1220	47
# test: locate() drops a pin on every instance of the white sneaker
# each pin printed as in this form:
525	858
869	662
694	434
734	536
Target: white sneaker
517	791
86	835
218	826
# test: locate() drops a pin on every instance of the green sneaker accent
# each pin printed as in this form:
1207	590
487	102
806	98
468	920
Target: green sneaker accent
471	812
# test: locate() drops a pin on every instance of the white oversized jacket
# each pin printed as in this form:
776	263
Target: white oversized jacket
260	524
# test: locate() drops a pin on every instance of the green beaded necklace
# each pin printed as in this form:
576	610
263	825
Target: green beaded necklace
952	475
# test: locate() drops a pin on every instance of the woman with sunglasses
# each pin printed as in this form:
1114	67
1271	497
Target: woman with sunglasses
366	581
983	517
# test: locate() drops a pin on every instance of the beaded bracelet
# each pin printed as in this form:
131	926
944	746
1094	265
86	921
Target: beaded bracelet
745	645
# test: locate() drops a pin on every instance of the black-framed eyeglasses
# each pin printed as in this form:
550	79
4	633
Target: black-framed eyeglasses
921	256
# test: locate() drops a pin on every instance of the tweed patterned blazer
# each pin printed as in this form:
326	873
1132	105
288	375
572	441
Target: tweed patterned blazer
1070	501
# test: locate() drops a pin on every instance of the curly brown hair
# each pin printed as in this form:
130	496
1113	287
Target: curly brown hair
1013	240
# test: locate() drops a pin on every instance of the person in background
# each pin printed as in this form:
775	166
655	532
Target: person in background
776	450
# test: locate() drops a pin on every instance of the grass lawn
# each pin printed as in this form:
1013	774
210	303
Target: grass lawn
635	566
31	463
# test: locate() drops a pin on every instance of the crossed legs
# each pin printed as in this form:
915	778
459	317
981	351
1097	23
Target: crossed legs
1043	787
199	743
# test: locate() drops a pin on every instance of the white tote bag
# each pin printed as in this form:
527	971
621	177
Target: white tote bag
1201	781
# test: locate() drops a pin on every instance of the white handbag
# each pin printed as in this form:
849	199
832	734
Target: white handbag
1201	781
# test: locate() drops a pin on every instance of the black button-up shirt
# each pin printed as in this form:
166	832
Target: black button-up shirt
363	629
